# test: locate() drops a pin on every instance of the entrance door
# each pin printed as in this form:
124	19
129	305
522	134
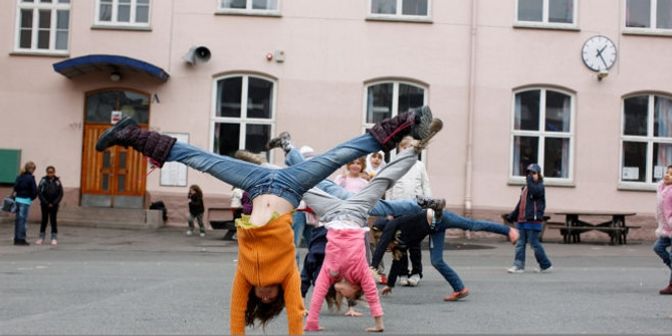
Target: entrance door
115	177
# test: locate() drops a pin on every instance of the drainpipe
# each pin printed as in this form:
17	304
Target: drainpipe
470	109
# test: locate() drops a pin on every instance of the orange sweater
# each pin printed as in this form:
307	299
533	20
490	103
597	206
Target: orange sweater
266	257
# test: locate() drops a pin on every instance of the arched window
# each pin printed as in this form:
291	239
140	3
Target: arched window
647	138
244	113
543	132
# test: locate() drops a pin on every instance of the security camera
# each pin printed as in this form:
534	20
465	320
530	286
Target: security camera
602	74
198	54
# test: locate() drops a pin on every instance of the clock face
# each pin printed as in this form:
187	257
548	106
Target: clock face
599	53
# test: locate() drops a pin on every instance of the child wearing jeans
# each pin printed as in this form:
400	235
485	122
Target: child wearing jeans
196	209
664	231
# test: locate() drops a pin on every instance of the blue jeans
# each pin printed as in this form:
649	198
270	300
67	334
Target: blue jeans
660	247
532	237
436	244
301	229
382	208
289	183
20	223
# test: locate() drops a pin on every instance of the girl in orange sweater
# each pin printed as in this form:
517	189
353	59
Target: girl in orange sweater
267	278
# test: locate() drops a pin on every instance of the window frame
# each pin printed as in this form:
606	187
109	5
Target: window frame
542	134
649	139
248	10
544	24
243	120
399	16
36	7
133	24
653	17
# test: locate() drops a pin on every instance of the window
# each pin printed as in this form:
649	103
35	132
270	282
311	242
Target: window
249	6
546	12
543	133
400	8
244	114
648	14
122	13
647	138
43	26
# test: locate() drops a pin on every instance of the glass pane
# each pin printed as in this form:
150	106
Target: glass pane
234	4
27	1
227	138
525	151
124	13
45	19
134	105
410	97
256	137
62	40
142	14
121	183
664	15
556	157
638	13
62	19
122	160
27	18
558	111
43	39
530	10
107	162
383	6
260	98
634	162
561	11
662	157
265	4
143	2
45	1
414	7
662	116
99	107
636	115
105	11
25	38
527	110
63	1
379	102
229	91
105	182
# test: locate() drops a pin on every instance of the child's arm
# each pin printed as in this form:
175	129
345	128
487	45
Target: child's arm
322	285
239	297
371	294
294	302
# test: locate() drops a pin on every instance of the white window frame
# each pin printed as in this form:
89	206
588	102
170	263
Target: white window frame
395	104
649	139
544	23
243	121
399	16
115	8
542	134
36	6
248	10
647	30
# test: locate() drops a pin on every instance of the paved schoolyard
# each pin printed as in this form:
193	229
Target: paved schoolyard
102	281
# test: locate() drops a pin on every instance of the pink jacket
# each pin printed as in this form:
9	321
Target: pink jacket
664	210
345	257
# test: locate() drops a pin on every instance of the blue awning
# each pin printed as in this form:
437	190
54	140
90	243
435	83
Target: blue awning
76	66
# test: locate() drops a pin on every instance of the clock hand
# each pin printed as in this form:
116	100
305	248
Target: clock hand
603	61
599	52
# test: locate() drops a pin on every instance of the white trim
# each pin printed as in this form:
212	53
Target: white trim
544	23
113	23
653	20
399	16
36	7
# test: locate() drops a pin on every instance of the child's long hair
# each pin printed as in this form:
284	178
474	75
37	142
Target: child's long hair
29	167
197	190
335	300
264	312
361	161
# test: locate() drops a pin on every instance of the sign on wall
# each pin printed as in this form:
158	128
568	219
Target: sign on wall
174	174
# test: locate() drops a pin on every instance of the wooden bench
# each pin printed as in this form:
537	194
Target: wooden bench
572	228
224	219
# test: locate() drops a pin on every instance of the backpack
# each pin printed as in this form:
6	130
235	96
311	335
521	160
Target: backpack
159	205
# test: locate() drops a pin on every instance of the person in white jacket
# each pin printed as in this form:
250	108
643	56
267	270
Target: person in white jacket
664	230
415	184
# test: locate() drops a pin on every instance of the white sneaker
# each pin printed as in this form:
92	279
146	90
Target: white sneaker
54	242
403	280
515	269
202	234
545	270
414	280
189	232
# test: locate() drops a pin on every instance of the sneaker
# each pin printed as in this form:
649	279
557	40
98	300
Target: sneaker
666	291
515	269
21	242
423	120
514	235
457	295
434	127
414	280
283	140
549	269
39	241
189	232
374	274
54	242
403	280
383	279
436	204
202	234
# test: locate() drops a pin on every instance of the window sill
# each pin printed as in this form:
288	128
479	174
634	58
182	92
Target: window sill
547	182
63	54
629	186
647	32
249	13
409	19
546	26
121	27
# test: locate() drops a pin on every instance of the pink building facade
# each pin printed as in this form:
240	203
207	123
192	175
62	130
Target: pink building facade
515	81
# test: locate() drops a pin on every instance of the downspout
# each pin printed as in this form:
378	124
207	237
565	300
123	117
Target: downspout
470	109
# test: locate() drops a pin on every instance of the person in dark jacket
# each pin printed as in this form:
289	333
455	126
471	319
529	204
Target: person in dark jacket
50	192
196	209
25	191
529	216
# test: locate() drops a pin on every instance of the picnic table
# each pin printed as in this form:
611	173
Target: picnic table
224	219
576	223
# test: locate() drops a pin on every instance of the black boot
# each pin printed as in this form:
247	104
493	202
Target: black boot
21	242
127	133
415	122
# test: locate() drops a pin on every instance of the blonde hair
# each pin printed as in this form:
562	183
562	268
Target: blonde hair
28	167
361	161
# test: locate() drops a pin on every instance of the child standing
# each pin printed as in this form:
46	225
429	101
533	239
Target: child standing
353	181
664	218
374	162
196	209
